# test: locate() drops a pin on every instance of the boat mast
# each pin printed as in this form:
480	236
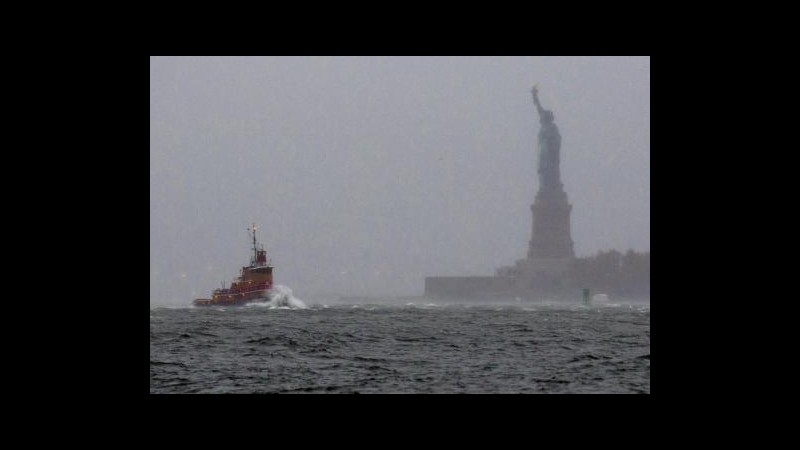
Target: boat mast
255	250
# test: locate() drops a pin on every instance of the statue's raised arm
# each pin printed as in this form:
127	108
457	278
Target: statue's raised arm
535	92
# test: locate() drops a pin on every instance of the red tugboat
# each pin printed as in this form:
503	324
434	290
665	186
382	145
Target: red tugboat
252	286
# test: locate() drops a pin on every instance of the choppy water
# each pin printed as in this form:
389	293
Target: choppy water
403	348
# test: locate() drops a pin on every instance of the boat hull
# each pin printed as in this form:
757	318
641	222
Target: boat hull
235	299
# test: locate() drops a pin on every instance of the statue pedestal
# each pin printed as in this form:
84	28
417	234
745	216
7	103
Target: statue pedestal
550	234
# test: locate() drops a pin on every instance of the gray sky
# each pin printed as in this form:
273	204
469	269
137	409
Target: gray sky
367	174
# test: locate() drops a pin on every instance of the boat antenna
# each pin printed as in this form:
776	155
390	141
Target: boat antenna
255	251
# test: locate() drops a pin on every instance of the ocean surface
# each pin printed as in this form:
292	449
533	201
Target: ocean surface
390	346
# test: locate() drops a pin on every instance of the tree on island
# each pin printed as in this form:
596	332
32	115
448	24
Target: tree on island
614	273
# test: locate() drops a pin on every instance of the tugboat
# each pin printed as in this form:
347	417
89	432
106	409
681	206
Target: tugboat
252	286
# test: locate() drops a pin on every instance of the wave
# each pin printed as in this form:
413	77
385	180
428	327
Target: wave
157	307
280	297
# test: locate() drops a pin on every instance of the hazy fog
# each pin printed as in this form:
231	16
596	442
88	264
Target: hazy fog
367	174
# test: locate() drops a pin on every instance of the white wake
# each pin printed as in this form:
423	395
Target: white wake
281	296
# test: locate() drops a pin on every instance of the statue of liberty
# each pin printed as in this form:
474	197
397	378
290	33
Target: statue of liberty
549	148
